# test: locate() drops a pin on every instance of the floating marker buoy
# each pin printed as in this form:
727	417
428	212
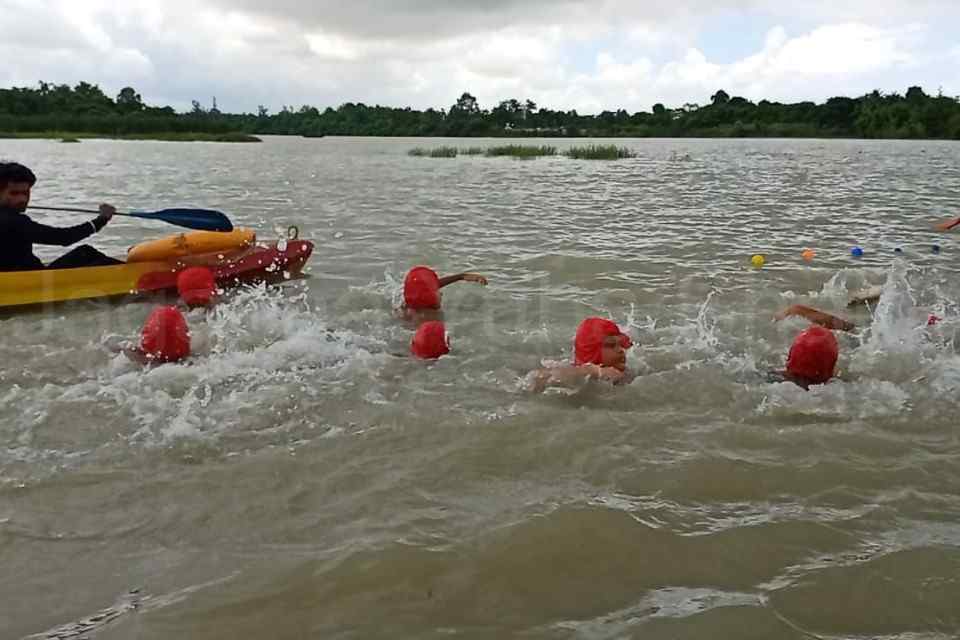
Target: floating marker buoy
808	254
898	250
936	248
856	252
757	261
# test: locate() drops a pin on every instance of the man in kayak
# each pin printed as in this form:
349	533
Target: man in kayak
600	353
18	233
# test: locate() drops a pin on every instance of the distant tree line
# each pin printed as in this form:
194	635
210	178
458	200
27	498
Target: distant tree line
84	108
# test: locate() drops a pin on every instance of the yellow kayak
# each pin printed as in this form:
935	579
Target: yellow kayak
157	259
266	262
54	285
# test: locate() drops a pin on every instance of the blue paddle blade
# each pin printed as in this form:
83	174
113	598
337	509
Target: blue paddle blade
202	219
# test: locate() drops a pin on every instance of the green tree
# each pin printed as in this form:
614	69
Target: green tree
84	108
915	95
720	97
129	101
466	104
838	114
89	98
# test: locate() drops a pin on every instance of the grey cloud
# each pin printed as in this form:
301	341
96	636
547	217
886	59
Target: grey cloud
35	27
435	19
191	57
392	20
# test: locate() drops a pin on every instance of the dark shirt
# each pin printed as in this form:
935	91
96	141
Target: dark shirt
18	234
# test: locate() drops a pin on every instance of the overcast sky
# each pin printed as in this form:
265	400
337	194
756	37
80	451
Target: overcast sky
563	54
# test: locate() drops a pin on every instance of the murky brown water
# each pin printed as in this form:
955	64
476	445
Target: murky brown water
300	479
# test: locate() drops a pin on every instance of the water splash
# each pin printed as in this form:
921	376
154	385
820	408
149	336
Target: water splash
864	399
251	352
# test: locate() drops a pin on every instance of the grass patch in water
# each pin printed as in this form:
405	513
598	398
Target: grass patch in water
600	152
70	140
473	151
521	151
435	152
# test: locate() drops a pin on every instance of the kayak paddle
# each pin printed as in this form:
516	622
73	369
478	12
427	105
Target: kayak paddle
203	219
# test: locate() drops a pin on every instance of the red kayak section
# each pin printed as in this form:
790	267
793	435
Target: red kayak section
260	263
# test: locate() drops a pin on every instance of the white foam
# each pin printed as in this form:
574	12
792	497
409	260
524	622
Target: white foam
256	348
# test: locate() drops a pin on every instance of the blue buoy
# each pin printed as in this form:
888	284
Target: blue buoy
936	248
898	250
856	252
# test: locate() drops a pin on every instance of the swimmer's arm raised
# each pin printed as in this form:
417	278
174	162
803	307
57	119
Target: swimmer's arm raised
948	225
468	277
816	316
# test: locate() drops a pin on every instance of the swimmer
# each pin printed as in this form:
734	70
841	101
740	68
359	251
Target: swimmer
813	355
431	341
421	292
600	353
165	338
197	287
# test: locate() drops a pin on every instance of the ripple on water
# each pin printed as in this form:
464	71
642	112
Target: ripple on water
324	483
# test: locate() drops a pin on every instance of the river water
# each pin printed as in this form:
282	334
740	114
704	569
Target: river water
300	477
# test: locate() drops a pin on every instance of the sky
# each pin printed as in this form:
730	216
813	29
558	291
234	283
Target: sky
562	54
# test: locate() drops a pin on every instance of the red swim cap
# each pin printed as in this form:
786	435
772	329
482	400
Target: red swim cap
588	345
165	337
421	289
813	355
430	341
196	286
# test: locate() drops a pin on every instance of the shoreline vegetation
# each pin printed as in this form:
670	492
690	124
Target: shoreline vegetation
85	111
162	136
526	152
